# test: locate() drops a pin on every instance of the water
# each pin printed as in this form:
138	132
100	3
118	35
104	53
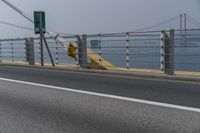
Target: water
144	53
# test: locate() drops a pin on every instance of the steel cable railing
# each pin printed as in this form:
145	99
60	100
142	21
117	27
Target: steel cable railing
121	50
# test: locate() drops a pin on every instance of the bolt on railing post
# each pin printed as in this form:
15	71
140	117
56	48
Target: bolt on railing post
82	51
127	52
167	52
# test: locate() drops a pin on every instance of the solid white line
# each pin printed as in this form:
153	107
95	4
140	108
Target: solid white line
107	96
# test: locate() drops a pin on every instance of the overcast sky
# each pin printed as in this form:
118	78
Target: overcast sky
96	16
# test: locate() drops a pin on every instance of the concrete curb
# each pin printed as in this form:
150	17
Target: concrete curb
115	72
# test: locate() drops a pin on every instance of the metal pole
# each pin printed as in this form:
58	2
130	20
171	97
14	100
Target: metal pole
27	48
56	53
48	50
77	54
171	42
185	27
32	53
12	50
181	28
181	23
78	57
41	41
100	50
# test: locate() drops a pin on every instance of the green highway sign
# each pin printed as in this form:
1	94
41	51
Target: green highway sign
37	16
94	44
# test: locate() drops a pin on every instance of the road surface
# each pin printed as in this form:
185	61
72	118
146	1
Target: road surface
34	100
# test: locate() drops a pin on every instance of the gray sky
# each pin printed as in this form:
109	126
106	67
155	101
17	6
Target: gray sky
96	16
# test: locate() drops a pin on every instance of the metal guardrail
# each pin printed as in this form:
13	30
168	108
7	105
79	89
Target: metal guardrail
166	50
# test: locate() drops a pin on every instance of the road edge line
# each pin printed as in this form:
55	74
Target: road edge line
184	108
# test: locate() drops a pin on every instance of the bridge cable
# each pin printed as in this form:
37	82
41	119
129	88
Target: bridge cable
159	24
194	21
15	25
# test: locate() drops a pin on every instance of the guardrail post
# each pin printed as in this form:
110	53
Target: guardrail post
30	55
1	58
12	51
162	50
167	52
82	51
170	56
57	58
127	52
1	53
100	48
77	56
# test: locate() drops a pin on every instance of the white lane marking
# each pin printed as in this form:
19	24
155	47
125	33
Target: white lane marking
185	108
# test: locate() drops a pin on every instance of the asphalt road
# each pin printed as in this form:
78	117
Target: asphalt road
28	108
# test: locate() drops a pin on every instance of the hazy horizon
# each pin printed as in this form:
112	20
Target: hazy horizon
94	16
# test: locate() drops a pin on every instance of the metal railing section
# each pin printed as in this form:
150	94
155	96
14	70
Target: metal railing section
167	50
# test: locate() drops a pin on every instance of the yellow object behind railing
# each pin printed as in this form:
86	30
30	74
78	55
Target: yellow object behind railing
72	50
96	61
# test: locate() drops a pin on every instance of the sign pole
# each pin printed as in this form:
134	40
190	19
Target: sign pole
40	28
41	39
49	52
